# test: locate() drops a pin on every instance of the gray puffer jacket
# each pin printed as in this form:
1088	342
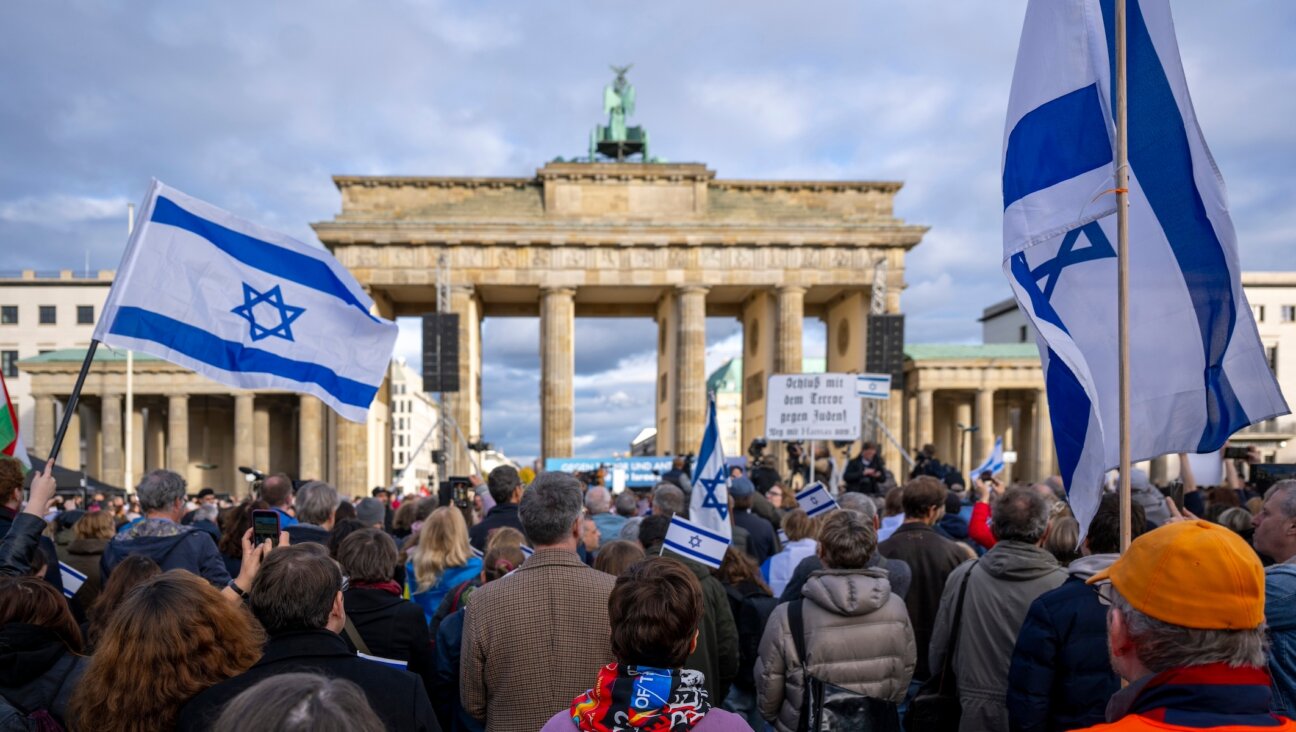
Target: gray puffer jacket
857	637
1001	588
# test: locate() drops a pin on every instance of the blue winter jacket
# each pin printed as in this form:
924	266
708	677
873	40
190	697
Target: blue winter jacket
450	579
1060	677
169	544
1280	617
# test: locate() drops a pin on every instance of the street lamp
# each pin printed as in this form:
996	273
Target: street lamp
963	433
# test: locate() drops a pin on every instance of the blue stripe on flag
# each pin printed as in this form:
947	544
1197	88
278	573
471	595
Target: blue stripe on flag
271	258
1161	156
821	508
1069	412
212	350
1056	141
709	561
699	530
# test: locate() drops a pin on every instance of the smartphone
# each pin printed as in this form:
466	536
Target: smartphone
461	491
987	476
265	526
1236	453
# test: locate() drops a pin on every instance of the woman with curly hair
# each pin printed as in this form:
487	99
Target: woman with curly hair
172	637
40	648
132	571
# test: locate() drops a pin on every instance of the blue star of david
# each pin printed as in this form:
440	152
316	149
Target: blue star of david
1099	248
710	500
695	541
274	298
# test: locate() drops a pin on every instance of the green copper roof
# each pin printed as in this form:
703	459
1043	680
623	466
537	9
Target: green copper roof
728	378
926	351
103	354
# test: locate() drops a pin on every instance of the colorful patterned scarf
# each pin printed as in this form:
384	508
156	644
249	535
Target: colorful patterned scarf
627	698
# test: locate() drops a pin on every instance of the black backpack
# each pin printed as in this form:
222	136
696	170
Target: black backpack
827	707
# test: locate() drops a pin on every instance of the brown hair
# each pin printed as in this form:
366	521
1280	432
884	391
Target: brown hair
504	536
654	611
12	475
922	494
403	519
502	559
739	567
234	524
174	636
95	525
616	556
1063	540
797	525
126	576
846	540
368	555
34	601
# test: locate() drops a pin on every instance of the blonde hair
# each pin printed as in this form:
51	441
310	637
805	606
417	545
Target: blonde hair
96	525
443	543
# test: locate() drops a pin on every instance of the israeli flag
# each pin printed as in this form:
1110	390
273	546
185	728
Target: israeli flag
245	306
709	504
1198	370
815	499
72	579
994	463
695	542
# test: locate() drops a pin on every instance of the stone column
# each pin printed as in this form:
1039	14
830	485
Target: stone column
962	440
791	313
311	435
691	399
261	435
111	411
557	370
667	353
1044	450
155	455
43	437
759	323
93	439
464	407
1159	469
178	434
984	441
70	453
926	408
244	438
352	457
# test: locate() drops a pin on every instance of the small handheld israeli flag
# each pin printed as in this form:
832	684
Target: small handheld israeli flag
709	504
815	499
994	463
690	540
72	579
245	306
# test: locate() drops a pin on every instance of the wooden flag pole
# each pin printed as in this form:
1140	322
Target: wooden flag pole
1122	269
72	400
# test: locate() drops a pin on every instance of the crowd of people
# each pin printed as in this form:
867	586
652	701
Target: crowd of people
550	604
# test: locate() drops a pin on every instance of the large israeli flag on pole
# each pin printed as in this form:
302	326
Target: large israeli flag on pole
1198	371
709	504
245	306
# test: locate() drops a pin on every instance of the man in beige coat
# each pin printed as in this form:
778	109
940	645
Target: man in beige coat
857	633
533	640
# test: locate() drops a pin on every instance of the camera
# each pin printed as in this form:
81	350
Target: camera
757	448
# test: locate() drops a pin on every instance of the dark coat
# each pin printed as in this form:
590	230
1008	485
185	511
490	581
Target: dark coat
717	655
761	541
22	546
931	557
396	696
392	627
855	479
84	555
1060	677
307	533
190	549
449	644
503	514
36	671
898	575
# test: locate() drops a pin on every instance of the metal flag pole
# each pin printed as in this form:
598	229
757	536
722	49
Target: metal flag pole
127	461
72	400
1122	270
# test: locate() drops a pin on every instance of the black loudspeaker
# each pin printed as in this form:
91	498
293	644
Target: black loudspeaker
886	347
441	352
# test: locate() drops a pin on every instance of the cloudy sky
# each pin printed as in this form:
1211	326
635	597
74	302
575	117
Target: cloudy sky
253	106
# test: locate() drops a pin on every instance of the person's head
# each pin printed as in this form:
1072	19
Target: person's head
443	543
126	576
1275	524
860	503
368	555
505	485
381	494
743	493
678	463
299	702
161	494
1237	520
315	503
847	540
501	559
923	499
615	556
371	512
206	512
234	524
344	511
775	495
405	516
1063	540
33	601
667	499
205	496
627	504
1104	528
652	530
173	636
598	500
797	525
1020	515
505	536
654	611
1186	594
277	490
738	567
298	588
95	525
868	450
12	475
551	511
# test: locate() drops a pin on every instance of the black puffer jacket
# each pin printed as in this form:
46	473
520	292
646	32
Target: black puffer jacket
20	544
37	672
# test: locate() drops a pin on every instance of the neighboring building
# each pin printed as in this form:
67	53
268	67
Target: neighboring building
726	383
414	414
644	443
42	312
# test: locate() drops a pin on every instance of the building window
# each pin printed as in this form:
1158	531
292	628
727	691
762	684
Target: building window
8	315
85	314
1258	311
47	315
1289	313
9	364
1271	355
1021	336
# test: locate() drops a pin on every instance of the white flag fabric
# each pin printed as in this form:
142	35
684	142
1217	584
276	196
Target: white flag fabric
245	306
695	542
994	462
709	504
1198	369
72	579
815	499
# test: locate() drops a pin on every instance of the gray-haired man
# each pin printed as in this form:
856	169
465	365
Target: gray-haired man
160	537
